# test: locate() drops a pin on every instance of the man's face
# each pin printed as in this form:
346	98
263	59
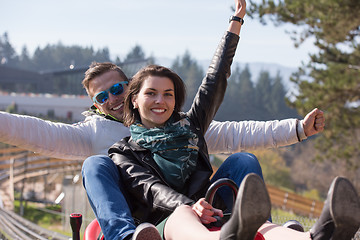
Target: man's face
114	105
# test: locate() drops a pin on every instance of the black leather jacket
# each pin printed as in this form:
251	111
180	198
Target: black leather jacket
149	196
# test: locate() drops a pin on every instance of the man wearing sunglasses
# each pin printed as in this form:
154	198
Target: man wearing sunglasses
106	84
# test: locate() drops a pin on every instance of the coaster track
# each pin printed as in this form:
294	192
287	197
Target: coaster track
13	226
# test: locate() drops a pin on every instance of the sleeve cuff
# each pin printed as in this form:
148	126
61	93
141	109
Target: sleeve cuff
300	133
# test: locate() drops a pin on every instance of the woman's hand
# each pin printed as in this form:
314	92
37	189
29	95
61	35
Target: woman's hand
206	212
240	8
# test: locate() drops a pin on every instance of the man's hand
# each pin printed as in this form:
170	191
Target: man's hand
314	122
206	212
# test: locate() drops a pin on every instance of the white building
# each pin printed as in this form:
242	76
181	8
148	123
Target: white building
65	106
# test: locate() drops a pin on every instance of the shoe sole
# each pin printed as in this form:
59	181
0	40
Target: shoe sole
295	225
255	206
146	231
345	209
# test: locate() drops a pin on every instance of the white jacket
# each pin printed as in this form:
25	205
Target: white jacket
96	134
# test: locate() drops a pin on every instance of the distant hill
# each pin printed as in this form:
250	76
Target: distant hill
255	69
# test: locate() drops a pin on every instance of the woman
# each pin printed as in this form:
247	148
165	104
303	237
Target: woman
214	83
154	100
165	163
164	169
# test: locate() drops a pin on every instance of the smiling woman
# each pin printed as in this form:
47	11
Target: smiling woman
155	101
165	162
154	94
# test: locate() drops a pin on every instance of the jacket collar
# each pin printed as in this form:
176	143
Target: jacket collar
94	111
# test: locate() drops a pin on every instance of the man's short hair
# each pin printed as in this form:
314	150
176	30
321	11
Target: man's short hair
98	68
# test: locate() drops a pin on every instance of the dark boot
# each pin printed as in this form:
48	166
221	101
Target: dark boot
252	209
340	217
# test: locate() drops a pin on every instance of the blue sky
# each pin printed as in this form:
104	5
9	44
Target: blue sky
164	28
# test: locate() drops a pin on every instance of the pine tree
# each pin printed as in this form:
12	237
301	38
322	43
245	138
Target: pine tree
263	96
191	73
25	60
280	108
330	81
232	106
7	52
247	95
135	54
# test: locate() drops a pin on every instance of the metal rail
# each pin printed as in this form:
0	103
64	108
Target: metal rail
12	226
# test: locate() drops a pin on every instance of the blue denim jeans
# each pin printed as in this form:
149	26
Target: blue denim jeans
236	167
103	186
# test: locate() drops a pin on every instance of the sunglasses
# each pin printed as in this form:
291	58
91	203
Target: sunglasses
116	89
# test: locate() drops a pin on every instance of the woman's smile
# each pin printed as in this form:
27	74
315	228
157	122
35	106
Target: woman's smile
158	110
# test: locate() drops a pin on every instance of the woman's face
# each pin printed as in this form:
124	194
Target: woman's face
155	101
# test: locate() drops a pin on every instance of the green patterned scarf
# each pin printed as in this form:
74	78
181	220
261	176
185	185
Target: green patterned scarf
173	147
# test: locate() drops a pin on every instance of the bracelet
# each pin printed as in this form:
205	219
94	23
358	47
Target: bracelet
238	19
297	131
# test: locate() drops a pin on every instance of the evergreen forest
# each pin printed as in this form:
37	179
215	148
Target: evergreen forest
244	100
